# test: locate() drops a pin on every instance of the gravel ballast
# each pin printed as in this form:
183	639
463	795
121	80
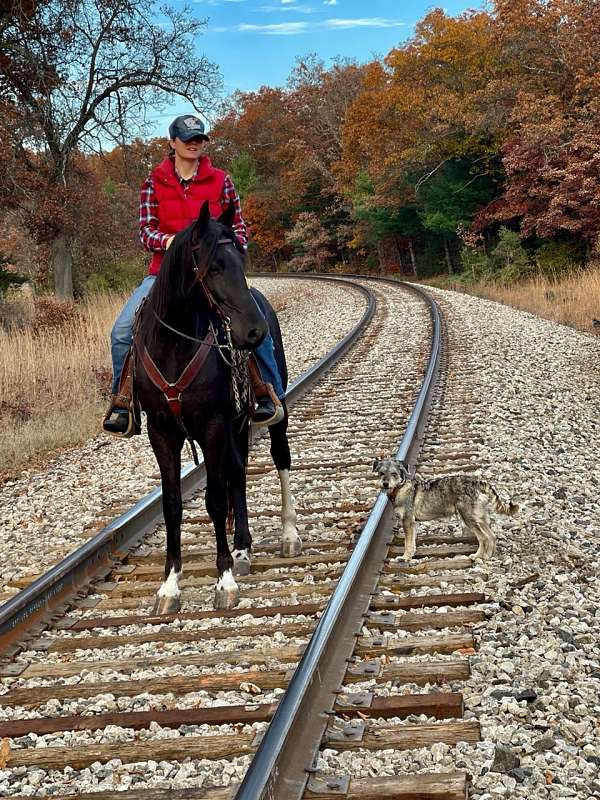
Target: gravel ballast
535	682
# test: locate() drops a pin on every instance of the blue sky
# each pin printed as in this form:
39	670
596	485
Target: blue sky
256	42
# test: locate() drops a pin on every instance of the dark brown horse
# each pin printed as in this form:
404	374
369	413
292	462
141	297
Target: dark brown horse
202	289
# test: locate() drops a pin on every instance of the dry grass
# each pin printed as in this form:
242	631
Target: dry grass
573	300
54	380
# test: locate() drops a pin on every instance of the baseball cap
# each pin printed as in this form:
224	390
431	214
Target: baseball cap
186	127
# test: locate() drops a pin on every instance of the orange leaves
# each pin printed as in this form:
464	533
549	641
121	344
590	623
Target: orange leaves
266	230
423	103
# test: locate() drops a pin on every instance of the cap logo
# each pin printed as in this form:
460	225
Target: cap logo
192	122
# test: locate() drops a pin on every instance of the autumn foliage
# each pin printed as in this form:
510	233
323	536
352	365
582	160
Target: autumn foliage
482	122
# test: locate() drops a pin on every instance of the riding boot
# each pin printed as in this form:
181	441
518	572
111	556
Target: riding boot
268	409
119	419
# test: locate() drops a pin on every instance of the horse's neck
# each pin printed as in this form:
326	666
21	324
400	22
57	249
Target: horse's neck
170	349
191	317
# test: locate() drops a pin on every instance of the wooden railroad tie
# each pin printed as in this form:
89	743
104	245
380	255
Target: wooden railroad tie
399	737
420	673
410	621
441	705
442	786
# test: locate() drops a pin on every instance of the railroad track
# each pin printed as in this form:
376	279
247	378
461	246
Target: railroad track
375	668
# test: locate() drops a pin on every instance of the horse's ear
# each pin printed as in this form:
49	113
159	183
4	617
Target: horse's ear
228	216
201	225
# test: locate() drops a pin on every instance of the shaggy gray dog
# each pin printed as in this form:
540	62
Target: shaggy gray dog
418	500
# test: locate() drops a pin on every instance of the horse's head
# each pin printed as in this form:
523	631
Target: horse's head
219	260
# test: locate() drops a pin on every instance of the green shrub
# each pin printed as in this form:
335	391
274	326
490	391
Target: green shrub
557	259
510	261
371	263
475	264
116	276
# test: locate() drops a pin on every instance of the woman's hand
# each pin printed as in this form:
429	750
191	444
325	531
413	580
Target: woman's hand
169	240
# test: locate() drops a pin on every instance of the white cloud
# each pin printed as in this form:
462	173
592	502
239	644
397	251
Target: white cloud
330	2
300	9
364	22
277	29
294	28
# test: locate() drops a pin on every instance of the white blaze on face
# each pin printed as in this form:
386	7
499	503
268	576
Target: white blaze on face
288	512
226	582
170	588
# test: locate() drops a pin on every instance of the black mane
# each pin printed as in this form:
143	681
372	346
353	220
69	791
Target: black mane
173	295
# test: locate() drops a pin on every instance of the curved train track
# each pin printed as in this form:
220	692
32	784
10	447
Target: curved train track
345	647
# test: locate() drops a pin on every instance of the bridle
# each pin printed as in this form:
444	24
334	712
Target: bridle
202	273
225	321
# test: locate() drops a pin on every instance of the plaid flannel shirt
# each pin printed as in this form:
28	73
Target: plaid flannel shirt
151	237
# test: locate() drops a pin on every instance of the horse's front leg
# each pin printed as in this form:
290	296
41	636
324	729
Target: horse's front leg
216	454
291	543
167	449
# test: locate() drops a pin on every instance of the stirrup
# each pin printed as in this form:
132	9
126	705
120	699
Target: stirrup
277	417
131	429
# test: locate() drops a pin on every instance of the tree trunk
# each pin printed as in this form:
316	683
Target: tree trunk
62	267
399	256
413	261
381	256
448	259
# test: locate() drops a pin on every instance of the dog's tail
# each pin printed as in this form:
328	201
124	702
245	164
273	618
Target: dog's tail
509	509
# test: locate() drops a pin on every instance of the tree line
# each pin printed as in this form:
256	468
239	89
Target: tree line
473	147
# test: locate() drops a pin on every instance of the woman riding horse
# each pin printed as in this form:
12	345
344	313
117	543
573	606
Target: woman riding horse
191	340
170	200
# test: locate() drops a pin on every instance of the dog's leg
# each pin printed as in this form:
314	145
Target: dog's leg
478	555
489	536
472	528
410	544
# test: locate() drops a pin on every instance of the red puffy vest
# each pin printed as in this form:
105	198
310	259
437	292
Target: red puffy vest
178	208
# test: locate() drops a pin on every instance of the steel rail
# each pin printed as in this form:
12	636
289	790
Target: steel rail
281	767
44	597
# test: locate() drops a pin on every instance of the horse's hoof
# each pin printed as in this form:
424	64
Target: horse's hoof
291	547
166	605
226	598
241	562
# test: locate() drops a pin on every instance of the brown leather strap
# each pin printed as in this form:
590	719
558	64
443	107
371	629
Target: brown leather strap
173	391
260	388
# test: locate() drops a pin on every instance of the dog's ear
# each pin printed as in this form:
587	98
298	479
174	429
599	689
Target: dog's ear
376	464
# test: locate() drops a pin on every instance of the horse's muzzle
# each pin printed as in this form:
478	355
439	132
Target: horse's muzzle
249	338
255	336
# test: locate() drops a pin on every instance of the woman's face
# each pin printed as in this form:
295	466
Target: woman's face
190	150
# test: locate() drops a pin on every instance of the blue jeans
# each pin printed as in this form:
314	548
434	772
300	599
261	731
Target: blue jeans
122	334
